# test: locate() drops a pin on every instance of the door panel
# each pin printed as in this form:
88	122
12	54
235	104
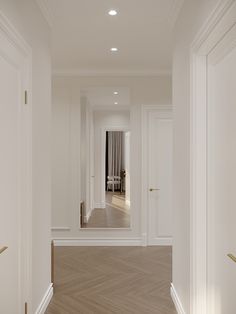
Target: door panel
221	183
15	164
160	178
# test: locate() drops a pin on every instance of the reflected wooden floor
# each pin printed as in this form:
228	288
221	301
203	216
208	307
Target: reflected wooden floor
106	280
115	215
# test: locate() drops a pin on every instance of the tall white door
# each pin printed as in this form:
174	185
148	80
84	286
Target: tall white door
159	170
14	180
222	177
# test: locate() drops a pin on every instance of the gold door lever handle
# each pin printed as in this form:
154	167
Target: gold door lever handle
154	190
231	256
3	249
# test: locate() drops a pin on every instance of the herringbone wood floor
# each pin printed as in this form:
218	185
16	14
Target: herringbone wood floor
106	280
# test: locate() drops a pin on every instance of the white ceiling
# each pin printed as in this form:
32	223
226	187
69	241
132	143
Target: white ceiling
103	97
83	33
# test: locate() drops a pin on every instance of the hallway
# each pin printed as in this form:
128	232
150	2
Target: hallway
104	280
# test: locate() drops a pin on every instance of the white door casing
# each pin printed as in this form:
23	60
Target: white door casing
15	170
212	45
221	165
157	175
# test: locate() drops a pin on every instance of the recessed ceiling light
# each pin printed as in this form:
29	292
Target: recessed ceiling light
116	103
112	12
115	93
114	49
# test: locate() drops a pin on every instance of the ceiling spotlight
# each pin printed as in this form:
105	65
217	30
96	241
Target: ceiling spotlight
114	49
115	93
116	103
112	12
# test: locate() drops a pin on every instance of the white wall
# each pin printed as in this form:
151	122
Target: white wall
104	120
28	20
144	90
65	156
192	17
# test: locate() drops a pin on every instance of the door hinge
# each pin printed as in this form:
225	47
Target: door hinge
26	308
26	97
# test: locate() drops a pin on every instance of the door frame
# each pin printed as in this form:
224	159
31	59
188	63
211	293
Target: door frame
146	109
215	31
10	35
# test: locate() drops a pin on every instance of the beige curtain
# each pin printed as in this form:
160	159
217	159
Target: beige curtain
115	152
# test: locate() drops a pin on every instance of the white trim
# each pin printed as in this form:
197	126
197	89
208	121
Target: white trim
45	300
60	229
46	12
219	23
163	241
97	241
100	205
114	73
176	300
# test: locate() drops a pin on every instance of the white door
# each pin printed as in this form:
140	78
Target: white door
14	180
222	176
159	172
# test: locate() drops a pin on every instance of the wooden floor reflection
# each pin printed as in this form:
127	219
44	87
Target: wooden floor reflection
115	215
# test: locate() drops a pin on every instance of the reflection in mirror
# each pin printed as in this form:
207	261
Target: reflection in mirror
105	167
116	212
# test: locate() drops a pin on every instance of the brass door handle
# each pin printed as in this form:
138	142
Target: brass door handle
3	249
231	256
154	190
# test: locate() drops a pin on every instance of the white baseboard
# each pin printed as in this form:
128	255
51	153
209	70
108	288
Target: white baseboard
98	242
100	205
86	218
176	300
168	241
45	301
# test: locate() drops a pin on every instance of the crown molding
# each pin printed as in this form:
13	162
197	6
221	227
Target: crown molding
115	73
44	7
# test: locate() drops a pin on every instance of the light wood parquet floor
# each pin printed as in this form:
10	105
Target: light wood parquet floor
106	280
115	215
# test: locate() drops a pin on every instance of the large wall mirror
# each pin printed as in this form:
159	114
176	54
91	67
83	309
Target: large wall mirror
105	158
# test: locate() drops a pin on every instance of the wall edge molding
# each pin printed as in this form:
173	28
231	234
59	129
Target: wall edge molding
176	300
97	241
45	300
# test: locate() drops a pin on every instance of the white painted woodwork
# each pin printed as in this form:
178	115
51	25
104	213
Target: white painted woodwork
15	172
212	154
160	177
157	175
221	179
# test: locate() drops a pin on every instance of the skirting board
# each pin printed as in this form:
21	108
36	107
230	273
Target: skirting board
162	241
45	301
98	242
176	300
100	205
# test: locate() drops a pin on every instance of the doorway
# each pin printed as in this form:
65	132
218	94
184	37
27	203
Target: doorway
157	175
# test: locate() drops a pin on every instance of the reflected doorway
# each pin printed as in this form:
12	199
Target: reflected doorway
116	187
